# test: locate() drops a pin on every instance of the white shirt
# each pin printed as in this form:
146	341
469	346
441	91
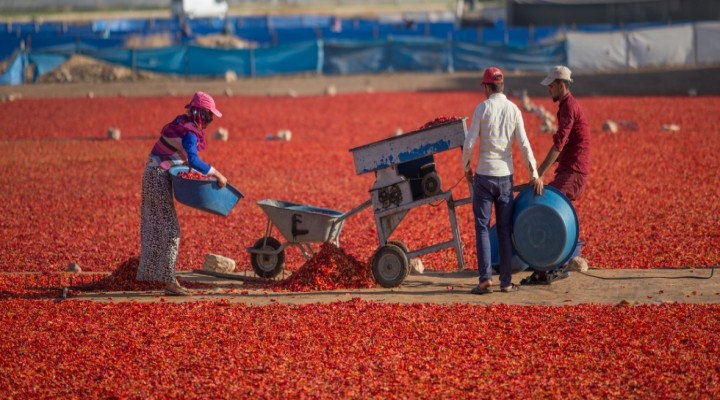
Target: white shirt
495	121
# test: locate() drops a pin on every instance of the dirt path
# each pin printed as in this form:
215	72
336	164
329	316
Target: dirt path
594	286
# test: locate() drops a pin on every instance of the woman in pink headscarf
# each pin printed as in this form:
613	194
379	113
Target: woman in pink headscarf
179	143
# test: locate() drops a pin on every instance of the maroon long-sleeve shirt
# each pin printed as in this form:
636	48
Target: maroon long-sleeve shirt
572	138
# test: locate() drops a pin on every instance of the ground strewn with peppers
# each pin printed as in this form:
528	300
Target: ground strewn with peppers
651	200
70	195
357	349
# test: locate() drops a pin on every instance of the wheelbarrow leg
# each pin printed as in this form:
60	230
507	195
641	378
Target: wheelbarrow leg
268	231
456	234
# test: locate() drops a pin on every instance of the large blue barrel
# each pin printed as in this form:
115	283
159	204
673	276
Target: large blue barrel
545	228
516	264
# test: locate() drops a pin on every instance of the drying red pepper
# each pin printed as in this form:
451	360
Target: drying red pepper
194	175
438	121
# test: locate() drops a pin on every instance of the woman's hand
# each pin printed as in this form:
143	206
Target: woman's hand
221	180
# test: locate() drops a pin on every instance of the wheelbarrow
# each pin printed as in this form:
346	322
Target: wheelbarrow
300	225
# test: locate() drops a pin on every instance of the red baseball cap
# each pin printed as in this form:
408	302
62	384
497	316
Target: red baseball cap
204	100
492	75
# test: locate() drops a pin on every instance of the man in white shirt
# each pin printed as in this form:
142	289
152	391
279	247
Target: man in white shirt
494	124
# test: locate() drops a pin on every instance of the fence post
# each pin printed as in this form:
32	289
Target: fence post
695	43
186	61
451	60
531	34
627	46
252	62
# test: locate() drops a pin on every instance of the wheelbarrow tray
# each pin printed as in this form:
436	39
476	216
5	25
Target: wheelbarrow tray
299	223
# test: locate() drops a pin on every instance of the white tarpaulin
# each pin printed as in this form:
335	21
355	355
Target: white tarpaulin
708	42
657	47
596	50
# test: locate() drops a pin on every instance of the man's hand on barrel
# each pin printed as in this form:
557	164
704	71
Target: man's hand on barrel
537	184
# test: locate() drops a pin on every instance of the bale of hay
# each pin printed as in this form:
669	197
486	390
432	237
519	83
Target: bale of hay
224	42
217	263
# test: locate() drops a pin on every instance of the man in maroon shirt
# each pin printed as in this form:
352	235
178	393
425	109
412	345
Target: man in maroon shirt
571	150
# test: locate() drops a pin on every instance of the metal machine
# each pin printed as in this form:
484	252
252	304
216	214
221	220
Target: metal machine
405	178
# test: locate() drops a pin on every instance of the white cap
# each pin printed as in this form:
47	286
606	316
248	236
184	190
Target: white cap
558	72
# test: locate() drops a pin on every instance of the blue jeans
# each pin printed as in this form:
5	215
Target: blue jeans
497	190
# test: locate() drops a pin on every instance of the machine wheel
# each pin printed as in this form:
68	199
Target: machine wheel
267	265
390	266
431	184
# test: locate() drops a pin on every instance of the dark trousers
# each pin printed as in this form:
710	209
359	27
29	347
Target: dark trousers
489	191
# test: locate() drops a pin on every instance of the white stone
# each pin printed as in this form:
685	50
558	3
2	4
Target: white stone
113	133
284	134
217	263
74	267
13	96
578	264
610	126
230	76
222	134
416	266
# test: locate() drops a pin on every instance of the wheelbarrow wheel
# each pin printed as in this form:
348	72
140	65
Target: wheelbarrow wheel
399	244
267	265
390	266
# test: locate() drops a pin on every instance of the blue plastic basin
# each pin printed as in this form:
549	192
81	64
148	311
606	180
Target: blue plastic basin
516	263
204	195
545	228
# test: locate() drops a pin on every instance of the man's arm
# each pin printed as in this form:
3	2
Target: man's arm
470	139
550	159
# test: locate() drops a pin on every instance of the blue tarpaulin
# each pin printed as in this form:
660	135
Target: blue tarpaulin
419	54
348	57
15	73
473	57
289	59
46	62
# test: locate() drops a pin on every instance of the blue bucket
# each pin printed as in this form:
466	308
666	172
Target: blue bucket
545	228
516	264
204	195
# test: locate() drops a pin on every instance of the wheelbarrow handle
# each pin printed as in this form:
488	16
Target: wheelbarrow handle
354	211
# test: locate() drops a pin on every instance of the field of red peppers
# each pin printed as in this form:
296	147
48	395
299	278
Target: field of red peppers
357	349
71	195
